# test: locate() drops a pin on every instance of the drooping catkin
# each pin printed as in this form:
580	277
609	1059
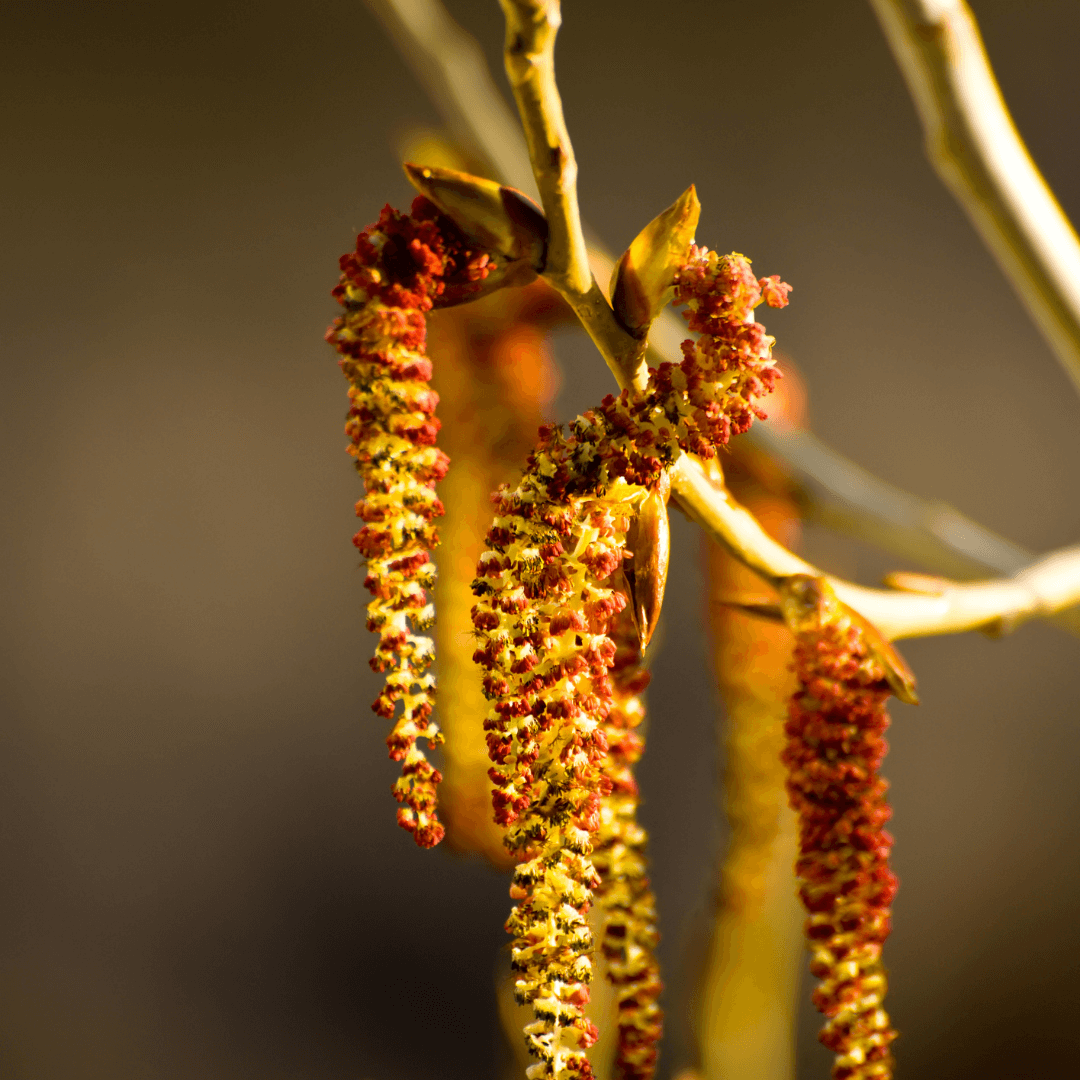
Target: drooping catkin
400	268
547	591
495	374
625	898
835	729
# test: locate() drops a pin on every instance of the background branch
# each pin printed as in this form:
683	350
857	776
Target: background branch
833	490
450	65
975	148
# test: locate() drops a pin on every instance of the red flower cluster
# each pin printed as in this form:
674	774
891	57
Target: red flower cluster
836	744
402	266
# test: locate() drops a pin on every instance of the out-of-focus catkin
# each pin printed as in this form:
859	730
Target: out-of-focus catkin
747	989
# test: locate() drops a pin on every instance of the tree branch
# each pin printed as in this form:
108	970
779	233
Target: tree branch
1046	588
531	26
978	154
832	489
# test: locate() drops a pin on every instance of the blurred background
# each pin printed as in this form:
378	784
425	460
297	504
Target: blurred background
203	877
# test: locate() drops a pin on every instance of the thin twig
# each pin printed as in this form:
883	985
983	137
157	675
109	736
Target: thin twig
450	65
841	495
833	490
975	148
531	26
1047	587
1041	590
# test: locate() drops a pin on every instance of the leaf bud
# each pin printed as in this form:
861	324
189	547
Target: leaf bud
500	219
809	602
644	279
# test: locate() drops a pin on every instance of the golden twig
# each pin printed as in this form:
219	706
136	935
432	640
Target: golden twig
833	490
1049	586
977	152
531	26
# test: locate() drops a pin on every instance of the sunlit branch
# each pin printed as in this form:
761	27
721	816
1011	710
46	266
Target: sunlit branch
531	26
834	490
977	152
1045	588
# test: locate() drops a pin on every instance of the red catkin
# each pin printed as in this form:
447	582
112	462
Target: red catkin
835	729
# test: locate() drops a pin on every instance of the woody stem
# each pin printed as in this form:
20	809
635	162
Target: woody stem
978	154
531	27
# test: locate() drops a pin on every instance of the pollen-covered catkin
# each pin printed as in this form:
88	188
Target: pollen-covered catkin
836	744
544	606
401	266
495	375
547	590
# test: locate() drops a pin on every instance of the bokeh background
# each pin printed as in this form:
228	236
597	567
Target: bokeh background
202	875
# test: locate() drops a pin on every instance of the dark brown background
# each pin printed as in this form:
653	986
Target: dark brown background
202	877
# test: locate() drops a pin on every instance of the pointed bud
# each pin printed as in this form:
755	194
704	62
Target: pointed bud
500	219
648	542
644	279
808	603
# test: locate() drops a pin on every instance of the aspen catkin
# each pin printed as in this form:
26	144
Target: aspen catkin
546	599
401	266
836	744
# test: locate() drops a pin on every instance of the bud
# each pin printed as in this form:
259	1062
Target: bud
643	282
809	602
648	541
500	219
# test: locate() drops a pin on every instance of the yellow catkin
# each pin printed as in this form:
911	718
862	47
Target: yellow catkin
401	267
548	588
